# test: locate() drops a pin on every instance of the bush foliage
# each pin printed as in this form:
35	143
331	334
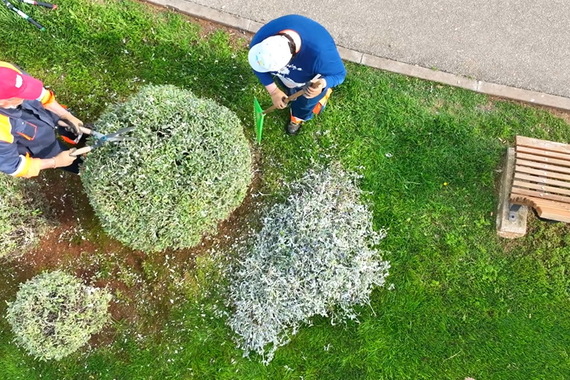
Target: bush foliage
21	218
188	168
54	314
315	255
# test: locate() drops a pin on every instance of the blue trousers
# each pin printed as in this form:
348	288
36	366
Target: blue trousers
302	107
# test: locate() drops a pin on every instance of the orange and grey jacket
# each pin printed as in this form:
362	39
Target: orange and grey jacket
27	135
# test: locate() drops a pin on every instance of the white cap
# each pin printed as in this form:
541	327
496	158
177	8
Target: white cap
271	54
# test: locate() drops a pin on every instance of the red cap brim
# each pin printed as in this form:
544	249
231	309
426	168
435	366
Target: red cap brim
15	84
31	88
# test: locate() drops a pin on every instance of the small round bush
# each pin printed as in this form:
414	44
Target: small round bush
187	168
54	314
315	255
21	218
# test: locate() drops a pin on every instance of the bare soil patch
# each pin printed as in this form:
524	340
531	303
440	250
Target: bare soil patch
146	286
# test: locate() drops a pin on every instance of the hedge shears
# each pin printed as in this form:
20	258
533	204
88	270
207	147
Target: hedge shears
100	138
23	15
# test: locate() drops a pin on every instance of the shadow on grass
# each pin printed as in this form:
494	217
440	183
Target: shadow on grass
99	53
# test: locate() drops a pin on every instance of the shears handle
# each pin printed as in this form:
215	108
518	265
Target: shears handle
86	130
80	151
40	3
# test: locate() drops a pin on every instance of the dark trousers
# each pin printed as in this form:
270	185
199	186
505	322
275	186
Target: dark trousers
302	108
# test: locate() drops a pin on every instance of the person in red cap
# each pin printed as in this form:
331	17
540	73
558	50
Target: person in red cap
29	115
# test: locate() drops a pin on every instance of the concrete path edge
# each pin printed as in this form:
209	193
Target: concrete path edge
350	55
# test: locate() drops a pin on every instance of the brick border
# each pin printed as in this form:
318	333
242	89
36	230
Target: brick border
527	96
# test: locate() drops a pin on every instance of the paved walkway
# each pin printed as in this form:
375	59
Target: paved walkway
519	49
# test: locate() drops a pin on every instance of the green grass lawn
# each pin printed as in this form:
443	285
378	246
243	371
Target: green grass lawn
464	303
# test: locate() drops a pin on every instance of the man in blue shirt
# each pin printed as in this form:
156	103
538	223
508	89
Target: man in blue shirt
296	49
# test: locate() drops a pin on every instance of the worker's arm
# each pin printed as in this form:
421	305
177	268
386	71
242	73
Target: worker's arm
51	104
17	165
330	66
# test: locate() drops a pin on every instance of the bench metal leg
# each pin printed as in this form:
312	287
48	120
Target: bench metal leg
513	211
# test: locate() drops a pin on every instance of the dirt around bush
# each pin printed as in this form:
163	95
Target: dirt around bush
145	286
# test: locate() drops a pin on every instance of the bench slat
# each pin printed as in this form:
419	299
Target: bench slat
519	192
541	159
552	205
543	153
552	213
542	180
543	171
543	144
543	188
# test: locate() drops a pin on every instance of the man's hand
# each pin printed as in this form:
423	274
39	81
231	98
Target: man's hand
278	98
73	124
315	88
64	159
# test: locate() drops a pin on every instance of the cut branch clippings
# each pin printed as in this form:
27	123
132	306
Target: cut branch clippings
315	255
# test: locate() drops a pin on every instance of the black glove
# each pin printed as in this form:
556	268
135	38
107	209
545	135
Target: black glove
71	123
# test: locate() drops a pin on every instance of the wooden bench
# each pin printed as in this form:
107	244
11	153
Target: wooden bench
537	175
542	178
